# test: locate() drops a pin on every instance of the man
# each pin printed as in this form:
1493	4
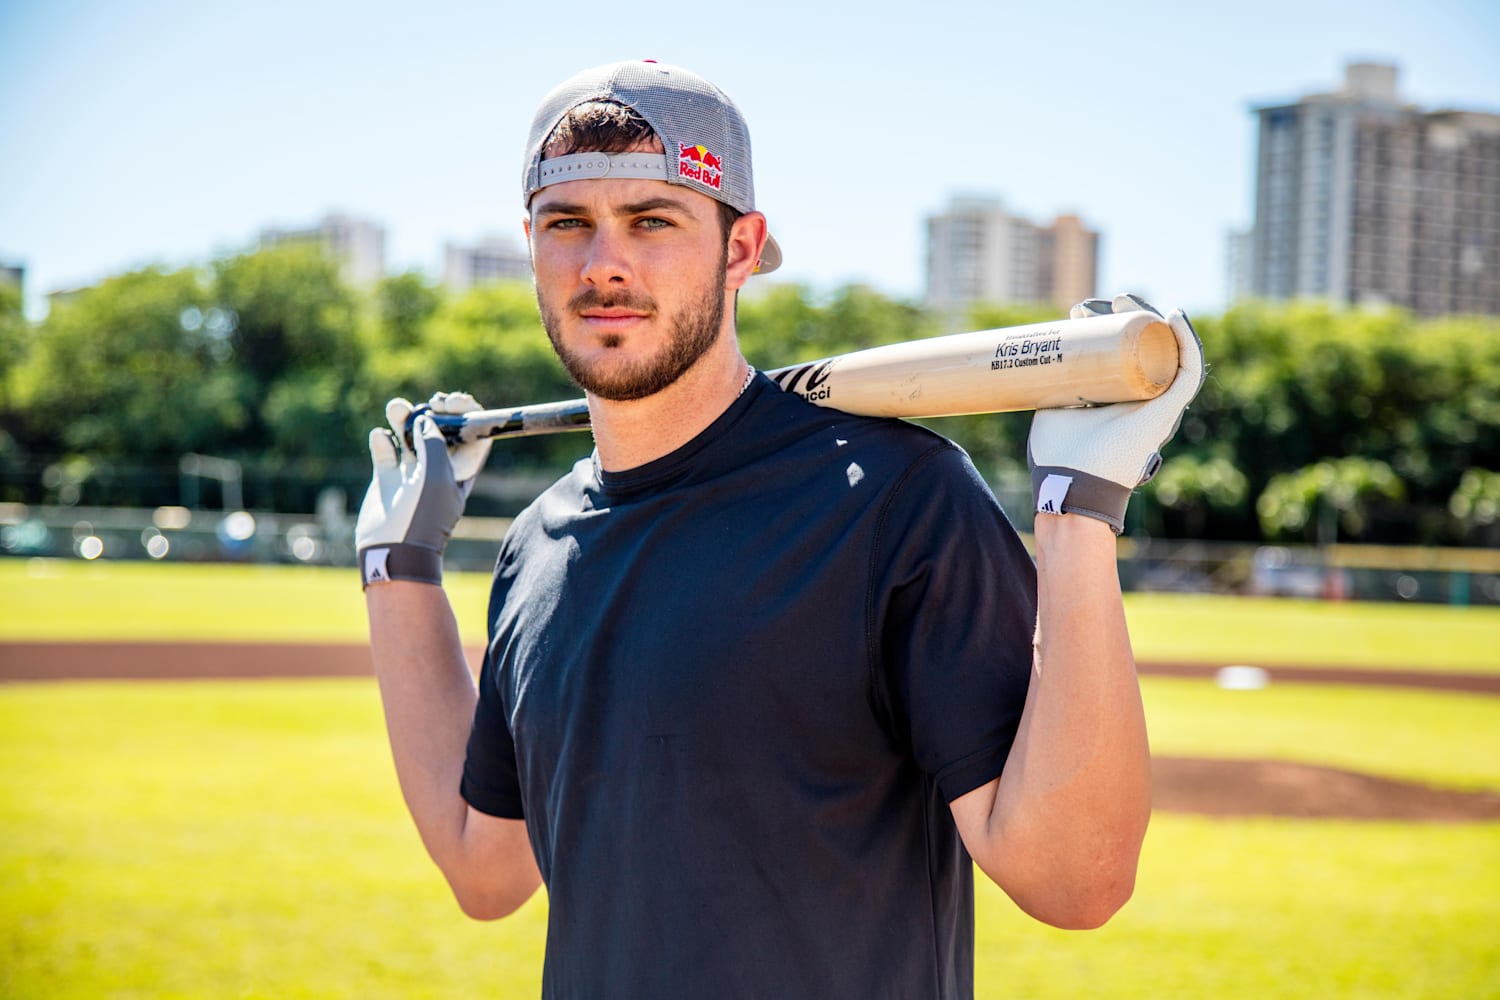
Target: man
762	677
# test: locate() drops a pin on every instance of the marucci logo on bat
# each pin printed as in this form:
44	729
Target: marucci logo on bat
816	374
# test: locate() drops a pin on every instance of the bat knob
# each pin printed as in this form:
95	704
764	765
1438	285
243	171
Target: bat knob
409	431
451	424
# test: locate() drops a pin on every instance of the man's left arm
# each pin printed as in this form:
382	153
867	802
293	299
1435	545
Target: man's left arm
1061	829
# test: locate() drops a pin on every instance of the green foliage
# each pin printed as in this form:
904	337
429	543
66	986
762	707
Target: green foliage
16	345
128	369
1296	385
15	338
1312	502
787	324
292	332
1191	487
404	304
1476	505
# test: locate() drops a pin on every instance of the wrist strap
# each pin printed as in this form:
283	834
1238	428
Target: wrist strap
384	563
1068	491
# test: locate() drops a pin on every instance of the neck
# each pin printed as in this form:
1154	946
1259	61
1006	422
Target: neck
632	433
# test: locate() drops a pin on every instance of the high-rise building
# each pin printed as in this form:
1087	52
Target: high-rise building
1363	199
491	259
357	245
1068	256
978	252
1239	246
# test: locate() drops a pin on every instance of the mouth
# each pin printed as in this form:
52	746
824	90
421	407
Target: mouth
611	320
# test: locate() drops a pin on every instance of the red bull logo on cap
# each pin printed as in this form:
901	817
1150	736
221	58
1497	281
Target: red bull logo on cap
696	163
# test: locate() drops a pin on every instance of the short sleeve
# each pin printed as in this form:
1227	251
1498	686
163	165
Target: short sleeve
954	602
490	782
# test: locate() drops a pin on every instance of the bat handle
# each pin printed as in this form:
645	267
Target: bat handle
451	424
517	421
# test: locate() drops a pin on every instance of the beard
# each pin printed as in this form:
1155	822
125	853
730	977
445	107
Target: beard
691	331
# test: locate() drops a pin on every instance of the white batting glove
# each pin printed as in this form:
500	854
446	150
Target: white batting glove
469	457
1088	460
415	496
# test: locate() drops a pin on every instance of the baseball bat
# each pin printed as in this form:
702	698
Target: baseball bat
1073	362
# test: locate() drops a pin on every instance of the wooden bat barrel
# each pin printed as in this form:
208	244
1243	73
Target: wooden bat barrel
1075	362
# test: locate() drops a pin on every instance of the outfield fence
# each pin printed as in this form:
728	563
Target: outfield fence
181	534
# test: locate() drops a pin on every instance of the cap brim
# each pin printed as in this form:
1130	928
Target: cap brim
770	256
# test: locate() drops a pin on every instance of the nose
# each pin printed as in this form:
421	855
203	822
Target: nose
607	262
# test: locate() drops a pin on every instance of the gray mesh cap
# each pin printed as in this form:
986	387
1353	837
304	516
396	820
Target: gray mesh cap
706	140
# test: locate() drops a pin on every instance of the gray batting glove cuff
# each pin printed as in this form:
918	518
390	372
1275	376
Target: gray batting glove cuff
383	563
1056	490
412	504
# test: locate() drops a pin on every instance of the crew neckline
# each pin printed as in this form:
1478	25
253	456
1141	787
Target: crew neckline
682	461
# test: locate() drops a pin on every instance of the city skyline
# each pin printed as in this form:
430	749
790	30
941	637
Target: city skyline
169	134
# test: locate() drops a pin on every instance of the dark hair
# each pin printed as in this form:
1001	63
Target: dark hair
610	127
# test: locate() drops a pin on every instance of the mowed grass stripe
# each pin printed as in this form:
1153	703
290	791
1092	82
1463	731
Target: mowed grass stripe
72	600
1268	631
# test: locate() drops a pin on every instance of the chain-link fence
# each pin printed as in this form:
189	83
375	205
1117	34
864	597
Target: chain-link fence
182	534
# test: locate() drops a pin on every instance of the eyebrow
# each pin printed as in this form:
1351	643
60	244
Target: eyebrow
657	204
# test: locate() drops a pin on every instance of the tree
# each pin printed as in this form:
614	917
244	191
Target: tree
1194	488
1319	501
16	336
404	304
128	368
288	324
1475	506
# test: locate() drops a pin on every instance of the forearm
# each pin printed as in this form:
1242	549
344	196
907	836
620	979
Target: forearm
429	695
1070	811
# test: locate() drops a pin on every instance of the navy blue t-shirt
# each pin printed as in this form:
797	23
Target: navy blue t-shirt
732	693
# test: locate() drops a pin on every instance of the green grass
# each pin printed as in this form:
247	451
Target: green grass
1253	909
1267	631
224	840
247	839
54	599
71	599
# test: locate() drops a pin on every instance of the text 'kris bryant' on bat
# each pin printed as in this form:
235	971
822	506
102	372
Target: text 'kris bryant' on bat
1115	358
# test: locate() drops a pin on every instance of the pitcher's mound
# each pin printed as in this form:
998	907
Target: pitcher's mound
1279	788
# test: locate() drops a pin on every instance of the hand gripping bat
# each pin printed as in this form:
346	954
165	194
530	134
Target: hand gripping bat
1070	362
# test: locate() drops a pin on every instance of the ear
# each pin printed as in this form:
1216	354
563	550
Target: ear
530	250
747	237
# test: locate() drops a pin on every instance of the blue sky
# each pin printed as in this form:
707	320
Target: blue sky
171	132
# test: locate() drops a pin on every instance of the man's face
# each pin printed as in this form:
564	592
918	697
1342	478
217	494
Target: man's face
630	278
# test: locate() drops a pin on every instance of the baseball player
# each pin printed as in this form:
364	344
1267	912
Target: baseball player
764	680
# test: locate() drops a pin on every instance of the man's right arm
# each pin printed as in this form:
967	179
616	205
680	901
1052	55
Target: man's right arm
429	698
416	495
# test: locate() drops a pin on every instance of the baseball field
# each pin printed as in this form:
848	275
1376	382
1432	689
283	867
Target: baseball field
196	800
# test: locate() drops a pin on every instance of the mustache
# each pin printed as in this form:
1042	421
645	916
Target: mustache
593	298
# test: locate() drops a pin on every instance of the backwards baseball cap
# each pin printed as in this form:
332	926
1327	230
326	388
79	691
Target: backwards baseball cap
706	140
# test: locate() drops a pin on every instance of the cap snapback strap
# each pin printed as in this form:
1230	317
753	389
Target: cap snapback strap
588	166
